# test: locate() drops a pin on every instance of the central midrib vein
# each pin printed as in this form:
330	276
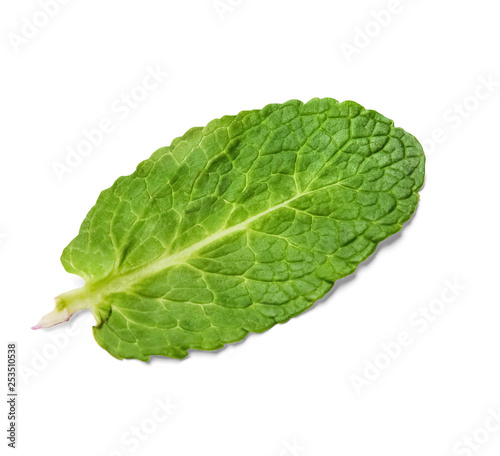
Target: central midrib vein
165	262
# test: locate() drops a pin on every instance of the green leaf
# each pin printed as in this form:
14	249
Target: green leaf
239	225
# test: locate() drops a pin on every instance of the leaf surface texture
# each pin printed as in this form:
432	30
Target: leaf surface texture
242	224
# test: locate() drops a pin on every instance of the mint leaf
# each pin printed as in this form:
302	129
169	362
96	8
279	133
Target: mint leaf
239	225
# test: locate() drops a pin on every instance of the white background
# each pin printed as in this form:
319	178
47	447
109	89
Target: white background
291	391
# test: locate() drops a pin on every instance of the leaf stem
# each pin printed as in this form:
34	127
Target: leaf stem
67	304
